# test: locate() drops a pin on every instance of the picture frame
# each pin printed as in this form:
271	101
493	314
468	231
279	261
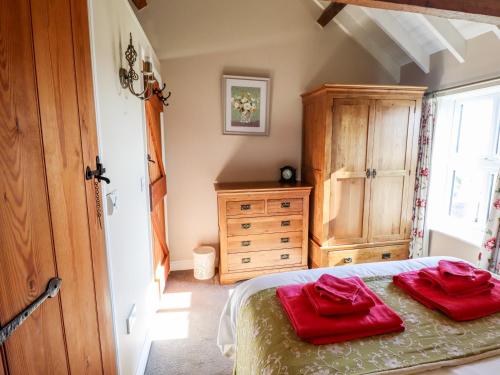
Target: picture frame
246	105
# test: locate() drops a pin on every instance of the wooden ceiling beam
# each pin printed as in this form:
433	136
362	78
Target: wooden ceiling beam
486	11
140	3
329	13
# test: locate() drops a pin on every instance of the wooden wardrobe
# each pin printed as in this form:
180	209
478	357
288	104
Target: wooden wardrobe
360	147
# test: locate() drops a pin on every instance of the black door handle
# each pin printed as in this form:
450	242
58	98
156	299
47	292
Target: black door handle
97	173
52	289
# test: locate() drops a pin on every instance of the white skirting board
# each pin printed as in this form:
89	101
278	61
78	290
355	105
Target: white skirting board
179	265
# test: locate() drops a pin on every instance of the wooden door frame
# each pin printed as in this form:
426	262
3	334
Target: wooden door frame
88	123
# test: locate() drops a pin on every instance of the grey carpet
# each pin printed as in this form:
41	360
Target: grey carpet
186	328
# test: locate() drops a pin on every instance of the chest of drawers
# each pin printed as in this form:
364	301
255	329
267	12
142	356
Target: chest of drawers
263	228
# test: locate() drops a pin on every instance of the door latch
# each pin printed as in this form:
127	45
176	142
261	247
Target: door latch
97	173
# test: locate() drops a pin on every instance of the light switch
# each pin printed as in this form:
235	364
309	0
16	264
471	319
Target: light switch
112	201
131	319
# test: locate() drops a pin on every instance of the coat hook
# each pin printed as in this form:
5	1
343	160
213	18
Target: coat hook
159	93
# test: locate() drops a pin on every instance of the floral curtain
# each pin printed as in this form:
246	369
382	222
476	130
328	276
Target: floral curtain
489	253
419	242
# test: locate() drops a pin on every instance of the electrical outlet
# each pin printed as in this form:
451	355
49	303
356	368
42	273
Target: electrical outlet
132	316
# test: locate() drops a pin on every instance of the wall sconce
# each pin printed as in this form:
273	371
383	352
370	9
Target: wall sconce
127	77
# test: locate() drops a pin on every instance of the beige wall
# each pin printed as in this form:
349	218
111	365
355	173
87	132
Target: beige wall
197	154
445	245
121	126
482	62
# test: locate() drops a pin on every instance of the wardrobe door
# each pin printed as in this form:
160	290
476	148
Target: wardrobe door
391	167
350	160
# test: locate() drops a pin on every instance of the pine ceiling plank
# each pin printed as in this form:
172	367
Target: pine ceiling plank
329	13
347	22
447	34
486	11
401	37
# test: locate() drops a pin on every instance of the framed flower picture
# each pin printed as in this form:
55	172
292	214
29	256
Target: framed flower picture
246	105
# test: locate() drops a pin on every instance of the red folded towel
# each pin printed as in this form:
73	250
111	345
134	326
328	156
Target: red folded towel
458	308
325	306
337	289
456	268
322	330
458	285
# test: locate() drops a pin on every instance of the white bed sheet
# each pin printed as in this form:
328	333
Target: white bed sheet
226	338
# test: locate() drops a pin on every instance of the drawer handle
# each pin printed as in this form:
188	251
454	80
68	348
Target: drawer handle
285	239
386	256
285	223
285	256
245	243
246	226
245	260
285	204
348	260
245	207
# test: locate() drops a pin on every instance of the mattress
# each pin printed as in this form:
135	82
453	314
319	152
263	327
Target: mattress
228	322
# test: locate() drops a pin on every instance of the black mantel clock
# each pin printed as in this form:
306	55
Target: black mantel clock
288	175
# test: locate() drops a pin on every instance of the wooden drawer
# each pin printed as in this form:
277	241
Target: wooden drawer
262	225
259	242
368	255
283	206
241	208
264	259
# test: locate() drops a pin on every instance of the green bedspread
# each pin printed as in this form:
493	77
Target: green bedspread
267	344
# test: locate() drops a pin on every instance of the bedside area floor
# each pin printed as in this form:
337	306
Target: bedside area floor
185	328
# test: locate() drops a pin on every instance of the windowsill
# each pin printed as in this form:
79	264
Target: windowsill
470	236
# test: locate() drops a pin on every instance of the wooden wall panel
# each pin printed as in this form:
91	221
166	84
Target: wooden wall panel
56	77
26	251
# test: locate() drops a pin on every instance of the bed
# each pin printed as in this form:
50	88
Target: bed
432	343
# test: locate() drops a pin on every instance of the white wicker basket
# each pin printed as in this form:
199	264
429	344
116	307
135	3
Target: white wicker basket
204	262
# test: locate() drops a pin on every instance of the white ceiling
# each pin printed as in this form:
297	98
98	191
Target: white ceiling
397	38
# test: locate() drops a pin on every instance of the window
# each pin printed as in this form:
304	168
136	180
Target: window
465	161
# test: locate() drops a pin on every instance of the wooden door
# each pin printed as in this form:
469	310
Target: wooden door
157	190
393	137
48	224
350	159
